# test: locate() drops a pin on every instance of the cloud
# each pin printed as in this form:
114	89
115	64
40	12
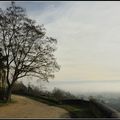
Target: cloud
88	36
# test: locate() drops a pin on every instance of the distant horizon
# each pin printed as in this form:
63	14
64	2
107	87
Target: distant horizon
88	41
85	86
102	80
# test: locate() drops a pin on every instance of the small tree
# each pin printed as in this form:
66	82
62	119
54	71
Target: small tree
28	50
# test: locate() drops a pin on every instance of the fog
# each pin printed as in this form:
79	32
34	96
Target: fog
85	86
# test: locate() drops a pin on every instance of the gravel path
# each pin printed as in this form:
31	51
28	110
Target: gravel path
28	108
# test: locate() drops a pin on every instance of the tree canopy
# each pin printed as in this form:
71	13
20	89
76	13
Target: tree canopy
27	49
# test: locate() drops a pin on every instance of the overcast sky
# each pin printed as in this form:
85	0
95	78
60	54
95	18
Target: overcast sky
88	35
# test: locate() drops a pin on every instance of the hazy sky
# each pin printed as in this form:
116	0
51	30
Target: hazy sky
88	35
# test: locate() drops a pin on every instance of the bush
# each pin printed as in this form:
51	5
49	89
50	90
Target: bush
19	88
60	94
55	95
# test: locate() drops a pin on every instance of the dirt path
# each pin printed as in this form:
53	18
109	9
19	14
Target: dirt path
28	108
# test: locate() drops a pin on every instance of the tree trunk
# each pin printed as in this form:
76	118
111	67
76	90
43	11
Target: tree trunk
8	93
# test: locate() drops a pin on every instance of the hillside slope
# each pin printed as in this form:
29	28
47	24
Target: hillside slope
28	108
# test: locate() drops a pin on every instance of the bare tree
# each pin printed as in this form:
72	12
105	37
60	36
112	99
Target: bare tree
28	50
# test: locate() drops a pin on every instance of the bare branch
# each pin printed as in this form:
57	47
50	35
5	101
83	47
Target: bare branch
29	51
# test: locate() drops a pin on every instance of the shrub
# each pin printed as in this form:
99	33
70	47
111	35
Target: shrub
61	94
56	94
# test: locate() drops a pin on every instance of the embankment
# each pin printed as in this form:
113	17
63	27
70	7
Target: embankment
100	110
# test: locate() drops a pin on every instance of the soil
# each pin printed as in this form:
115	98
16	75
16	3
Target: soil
27	108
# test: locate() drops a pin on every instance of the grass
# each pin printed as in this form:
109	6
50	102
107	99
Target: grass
45	100
75	111
78	112
3	103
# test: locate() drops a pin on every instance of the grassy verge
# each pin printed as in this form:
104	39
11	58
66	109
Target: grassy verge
75	111
45	100
3	103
